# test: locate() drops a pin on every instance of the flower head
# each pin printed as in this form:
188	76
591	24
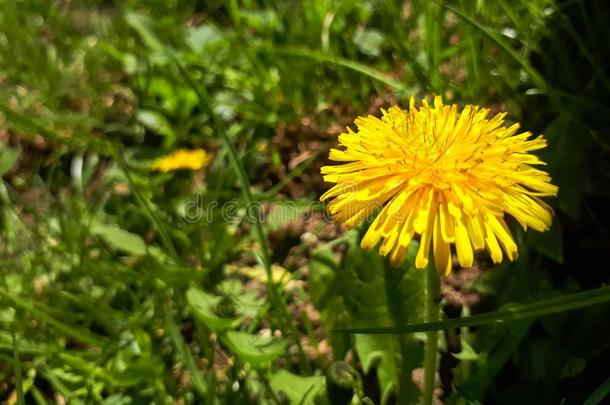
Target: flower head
182	159
447	176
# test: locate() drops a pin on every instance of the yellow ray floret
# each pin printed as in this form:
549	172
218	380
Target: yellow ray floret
182	159
446	176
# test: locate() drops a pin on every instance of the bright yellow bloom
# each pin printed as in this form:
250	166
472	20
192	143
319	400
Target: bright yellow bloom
182	159
448	176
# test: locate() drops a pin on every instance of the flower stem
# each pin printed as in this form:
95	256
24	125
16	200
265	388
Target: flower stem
433	296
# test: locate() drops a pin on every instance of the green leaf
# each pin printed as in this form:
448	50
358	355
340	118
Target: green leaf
181	347
508	314
7	315
261	20
204	305
24	346
327	288
498	349
467	353
144	26
298	389
599	394
255	349
78	364
35	309
140	370
117	399
204	37
379	352
247	302
365	290
568	144
573	367
369	41
226	135
157	122
8	158
119	239
405	293
549	243
322	280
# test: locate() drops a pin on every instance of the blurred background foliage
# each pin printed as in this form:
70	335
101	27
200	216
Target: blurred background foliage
112	292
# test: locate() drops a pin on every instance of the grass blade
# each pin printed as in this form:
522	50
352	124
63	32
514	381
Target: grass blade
144	204
18	374
239	169
536	77
102	147
513	313
350	64
31	307
296	172
187	356
432	23
599	394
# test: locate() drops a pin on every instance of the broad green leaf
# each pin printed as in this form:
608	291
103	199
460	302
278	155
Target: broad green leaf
380	352
119	238
367	291
322	279
203	37
7	315
8	158
247	301
298	389
157	122
467	353
255	349
405	293
327	288
369	41
204	308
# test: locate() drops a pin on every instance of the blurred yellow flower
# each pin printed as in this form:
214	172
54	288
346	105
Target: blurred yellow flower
182	159
448	176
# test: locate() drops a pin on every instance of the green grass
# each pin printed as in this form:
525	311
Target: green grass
110	293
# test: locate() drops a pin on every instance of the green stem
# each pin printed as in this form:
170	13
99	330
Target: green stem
18	375
274	294
433	296
146	205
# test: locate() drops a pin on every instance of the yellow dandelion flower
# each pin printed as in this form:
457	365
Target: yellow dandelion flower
448	176
182	159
